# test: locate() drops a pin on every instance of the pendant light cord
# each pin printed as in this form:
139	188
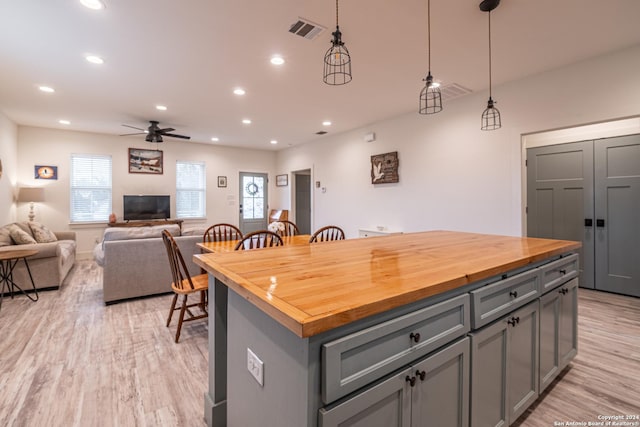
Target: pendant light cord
336	13
429	31
489	54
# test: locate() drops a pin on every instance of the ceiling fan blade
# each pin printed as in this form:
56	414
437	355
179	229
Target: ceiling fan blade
173	135
133	127
164	131
129	134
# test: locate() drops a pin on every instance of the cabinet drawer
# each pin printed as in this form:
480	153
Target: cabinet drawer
360	358
558	272
494	301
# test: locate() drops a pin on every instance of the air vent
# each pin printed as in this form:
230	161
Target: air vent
453	90
321	132
305	28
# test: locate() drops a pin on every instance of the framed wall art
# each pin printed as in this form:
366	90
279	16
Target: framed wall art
145	161
222	181
45	172
282	180
384	168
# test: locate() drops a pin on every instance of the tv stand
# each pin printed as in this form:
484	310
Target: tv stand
146	223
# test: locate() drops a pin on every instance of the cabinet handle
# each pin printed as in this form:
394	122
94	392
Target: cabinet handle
564	291
514	294
518	319
563	271
415	337
599	222
512	321
421	375
410	380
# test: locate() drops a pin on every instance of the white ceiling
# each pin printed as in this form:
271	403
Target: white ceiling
189	55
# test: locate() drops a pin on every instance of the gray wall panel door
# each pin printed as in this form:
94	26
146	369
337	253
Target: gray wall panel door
303	202
560	198
617	189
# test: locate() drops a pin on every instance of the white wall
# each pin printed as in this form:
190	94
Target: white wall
54	147
453	175
9	157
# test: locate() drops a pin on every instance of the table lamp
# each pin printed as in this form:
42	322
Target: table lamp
31	195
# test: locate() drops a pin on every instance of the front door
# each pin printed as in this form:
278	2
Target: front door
253	201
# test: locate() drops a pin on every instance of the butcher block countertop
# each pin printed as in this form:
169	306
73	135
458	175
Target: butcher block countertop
314	288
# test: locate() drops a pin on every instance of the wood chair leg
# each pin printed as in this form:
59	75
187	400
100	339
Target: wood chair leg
173	307
181	319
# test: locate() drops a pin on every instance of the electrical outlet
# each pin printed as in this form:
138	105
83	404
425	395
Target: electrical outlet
255	366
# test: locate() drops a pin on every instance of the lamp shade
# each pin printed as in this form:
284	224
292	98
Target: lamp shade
31	194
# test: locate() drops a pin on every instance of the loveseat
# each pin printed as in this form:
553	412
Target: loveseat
55	258
135	263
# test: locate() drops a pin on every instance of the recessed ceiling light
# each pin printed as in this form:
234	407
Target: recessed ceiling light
326	123
246	121
274	142
277	60
46	89
161	108
64	122
94	59
93	4
239	91
215	139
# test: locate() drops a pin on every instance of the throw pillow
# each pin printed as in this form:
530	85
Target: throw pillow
41	233
5	236
19	236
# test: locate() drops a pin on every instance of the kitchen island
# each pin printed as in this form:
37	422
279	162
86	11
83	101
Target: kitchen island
364	331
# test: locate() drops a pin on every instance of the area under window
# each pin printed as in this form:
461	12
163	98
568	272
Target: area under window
90	188
190	190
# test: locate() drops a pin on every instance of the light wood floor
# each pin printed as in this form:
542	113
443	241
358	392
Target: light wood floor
69	360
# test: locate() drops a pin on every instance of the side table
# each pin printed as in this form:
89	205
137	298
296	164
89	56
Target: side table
8	261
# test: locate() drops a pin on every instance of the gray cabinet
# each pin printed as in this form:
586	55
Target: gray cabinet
431	392
504	366
558	330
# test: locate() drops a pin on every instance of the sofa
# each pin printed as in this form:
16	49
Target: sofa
55	258
135	263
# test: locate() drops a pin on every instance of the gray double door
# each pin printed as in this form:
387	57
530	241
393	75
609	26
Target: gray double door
589	191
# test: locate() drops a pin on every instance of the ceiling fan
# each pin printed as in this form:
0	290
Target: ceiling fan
154	132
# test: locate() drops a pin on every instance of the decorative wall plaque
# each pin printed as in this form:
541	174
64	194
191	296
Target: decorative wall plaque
384	168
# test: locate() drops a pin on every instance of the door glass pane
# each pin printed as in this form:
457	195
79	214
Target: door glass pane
252	197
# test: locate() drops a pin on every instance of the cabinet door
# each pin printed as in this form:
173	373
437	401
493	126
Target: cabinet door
440	396
568	325
549	329
489	376
387	404
522	371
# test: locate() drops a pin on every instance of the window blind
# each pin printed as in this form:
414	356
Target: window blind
190	190
90	187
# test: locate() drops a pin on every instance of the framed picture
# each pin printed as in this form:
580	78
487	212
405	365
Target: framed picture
145	161
222	181
384	168
45	172
282	180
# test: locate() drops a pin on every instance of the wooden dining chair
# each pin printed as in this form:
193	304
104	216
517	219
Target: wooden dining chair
221	232
184	285
259	239
290	229
326	234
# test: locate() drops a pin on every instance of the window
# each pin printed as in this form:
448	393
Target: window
90	187
190	190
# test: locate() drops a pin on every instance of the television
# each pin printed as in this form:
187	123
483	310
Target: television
146	207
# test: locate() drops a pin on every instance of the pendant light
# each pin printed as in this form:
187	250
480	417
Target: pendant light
491	116
337	61
430	97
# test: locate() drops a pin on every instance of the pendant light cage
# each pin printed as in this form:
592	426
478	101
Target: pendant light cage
337	61
491	115
430	96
